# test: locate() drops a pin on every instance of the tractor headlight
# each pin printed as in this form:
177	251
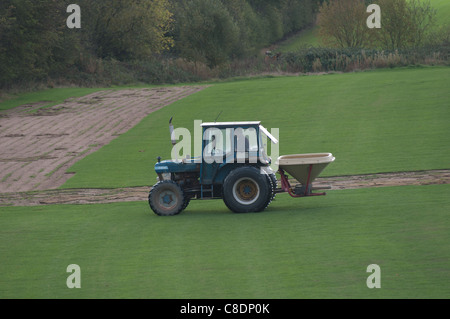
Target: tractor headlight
166	176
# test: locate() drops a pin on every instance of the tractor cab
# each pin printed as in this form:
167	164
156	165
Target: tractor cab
226	145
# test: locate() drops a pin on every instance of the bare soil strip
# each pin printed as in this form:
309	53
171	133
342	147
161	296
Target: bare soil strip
38	145
431	177
96	196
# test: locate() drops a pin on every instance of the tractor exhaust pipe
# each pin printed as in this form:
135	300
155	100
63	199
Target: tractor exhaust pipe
172	137
172	133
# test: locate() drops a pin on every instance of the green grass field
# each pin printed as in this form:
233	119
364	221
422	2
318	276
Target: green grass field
378	121
297	248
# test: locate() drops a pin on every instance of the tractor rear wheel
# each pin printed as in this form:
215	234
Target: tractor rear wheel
167	199
272	186
246	189
274	183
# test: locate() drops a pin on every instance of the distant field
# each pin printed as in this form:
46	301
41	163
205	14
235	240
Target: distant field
304	39
379	121
443	11
310	37
298	248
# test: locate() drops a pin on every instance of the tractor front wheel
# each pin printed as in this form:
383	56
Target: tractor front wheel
167	199
247	189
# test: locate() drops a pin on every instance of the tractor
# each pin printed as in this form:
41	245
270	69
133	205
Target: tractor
235	167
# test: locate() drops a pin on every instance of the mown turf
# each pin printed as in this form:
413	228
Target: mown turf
379	121
298	248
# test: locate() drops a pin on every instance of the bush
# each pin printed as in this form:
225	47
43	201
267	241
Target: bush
350	59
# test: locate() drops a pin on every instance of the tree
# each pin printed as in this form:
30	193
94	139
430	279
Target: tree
30	30
6	23
342	23
296	15
205	32
248	24
127	29
404	23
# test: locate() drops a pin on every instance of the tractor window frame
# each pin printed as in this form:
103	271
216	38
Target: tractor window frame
226	147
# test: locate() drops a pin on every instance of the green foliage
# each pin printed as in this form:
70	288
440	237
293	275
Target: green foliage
172	41
215	31
281	18
318	59
125	29
157	71
404	24
249	25
36	45
439	34
342	23
30	38
205	31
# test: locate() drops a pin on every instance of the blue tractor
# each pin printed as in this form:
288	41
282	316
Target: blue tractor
233	166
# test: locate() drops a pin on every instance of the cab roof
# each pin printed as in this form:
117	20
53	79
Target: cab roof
216	124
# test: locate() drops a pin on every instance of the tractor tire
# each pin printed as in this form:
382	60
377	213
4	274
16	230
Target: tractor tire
272	186
167	199
187	200
273	180
246	190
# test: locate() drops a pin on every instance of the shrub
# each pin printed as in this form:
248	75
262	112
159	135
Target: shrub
350	59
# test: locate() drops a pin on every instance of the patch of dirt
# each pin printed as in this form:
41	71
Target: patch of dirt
432	177
74	196
96	196
38	143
